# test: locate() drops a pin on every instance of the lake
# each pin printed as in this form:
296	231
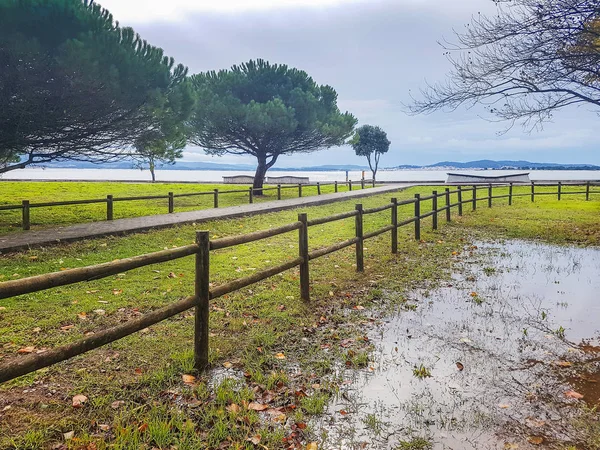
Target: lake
217	175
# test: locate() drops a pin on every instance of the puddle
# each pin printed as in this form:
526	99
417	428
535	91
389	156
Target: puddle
520	320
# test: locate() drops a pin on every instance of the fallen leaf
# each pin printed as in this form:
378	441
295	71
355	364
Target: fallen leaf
343	412
358	307
312	446
254	439
117	404
36	330
188	379
100	312
509	446
82	315
460	366
563	363
104	427
573	394
172	275
534	423
138	371
301	425
535	440
143	427
503	405
79	400
227	365
69	435
66	327
279	356
234	408
26	350
117	291
257	406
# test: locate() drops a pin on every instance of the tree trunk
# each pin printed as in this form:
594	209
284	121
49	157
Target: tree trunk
259	177
374	172
151	166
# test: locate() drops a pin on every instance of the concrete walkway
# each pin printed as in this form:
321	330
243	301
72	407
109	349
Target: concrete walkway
28	239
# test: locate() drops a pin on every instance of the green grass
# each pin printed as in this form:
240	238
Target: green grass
14	192
249	328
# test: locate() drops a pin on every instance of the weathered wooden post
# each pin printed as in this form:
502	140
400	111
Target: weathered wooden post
202	293
448	212
360	267
510	193
434	208
532	191
278	192
26	216
587	191
318	188
171	203
299	190
349	185
474	197
460	205
335	186
109	207
303	253
418	217
394	225
490	195
250	195
559	189
216	198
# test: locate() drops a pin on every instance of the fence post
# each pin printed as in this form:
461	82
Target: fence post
303	253
532	191
490	195
349	185
216	198
299	190
587	191
395	225
474	197
510	192
109	207
26	216
434	208
201	289
318	188
460	201
335	187
360	267
559	189
418	217
171	203
362	183
448	212
278	192
250	195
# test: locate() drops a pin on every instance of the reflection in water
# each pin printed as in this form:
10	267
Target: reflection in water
499	342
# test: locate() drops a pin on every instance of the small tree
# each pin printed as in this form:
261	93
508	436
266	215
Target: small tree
265	111
371	142
151	153
529	59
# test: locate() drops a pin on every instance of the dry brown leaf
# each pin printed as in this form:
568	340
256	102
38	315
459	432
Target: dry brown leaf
257	406
79	400
227	365
117	404
534	423
460	366
509	446
358	307
254	439
26	350
279	356
343	412
188	379
563	363
573	394
82	315
143	427
535	440
69	435
104	427
117	291
312	446
503	405
234	408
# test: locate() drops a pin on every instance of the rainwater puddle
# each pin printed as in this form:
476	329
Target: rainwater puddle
501	322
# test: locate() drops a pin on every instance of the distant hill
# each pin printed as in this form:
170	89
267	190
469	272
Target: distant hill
496	165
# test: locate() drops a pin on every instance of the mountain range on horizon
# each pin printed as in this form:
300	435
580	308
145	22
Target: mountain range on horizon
484	164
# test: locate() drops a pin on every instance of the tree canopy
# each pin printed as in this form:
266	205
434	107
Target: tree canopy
74	85
372	142
265	110
533	57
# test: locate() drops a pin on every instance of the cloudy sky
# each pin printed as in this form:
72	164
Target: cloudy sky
375	53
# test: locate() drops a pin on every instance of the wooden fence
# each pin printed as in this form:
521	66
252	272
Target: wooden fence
110	200
202	248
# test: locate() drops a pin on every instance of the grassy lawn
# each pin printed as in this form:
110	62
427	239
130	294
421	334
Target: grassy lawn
267	347
14	192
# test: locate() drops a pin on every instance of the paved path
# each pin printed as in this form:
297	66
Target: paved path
28	239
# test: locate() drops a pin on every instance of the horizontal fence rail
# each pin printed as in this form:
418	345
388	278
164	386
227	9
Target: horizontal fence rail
440	204
27	205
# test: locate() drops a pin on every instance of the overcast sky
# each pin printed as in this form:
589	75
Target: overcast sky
374	53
